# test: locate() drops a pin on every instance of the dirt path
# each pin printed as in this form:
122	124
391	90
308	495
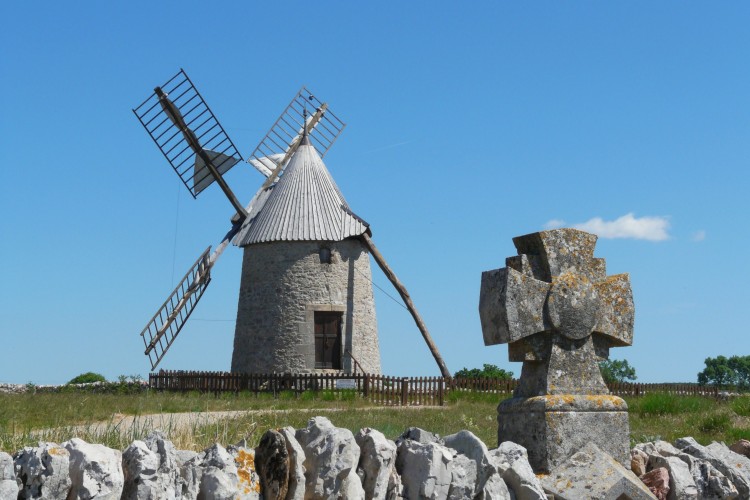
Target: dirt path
178	422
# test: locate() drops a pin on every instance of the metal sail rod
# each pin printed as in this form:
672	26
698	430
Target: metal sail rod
409	304
176	117
314	119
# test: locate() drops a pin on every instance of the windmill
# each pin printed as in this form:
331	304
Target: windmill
305	301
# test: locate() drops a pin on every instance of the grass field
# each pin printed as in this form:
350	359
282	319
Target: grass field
28	418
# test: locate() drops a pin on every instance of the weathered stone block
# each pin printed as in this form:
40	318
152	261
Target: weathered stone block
591	473
552	428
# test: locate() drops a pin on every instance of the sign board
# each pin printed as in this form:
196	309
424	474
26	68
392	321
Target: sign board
346	383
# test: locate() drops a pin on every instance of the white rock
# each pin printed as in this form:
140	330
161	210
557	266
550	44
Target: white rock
151	470
512	462
377	462
296	490
721	458
331	457
494	488
216	484
681	483
95	471
8	485
43	472
463	477
424	469
248	482
191	473
395	486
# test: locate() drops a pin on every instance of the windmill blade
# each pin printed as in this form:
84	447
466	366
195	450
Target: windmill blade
189	136
166	324
323	127
161	331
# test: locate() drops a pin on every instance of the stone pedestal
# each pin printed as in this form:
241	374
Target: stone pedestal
553	427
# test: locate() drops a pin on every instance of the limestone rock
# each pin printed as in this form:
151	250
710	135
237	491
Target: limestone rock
272	462
512	463
722	459
489	483
638	461
43	472
463	477
331	457
657	481
140	469
248	481
418	435
8	485
742	447
424	469
681	483
223	475
709	482
494	488
296	483
377	462
591	473
152	468
191	474
95	471
395	486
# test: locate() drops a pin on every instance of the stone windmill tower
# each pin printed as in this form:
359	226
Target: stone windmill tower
305	301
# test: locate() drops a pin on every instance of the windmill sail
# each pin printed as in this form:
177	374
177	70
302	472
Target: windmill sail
275	149
166	324
189	136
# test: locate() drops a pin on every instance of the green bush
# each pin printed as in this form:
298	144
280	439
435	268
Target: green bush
87	378
487	371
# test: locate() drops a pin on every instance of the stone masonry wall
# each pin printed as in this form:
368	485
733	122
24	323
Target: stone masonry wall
282	285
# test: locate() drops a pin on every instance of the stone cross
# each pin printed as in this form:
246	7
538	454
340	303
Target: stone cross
559	312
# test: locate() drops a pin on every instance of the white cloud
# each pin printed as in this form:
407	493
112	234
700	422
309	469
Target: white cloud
699	235
554	224
628	226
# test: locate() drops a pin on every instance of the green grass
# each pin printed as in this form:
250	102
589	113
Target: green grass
27	418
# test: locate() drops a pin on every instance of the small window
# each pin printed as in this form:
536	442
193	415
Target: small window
325	255
328	340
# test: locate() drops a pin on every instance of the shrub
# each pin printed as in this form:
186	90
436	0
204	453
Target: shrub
487	371
87	378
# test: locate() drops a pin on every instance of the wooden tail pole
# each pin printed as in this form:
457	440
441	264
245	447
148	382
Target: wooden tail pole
407	300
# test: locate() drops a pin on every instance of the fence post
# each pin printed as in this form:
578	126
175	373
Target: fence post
366	388
404	391
441	398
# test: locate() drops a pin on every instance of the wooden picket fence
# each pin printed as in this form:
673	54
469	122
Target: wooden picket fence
380	389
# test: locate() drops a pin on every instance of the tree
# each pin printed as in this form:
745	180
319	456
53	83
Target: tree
722	371
615	370
487	371
87	378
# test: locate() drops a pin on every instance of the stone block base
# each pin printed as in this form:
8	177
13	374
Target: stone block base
552	428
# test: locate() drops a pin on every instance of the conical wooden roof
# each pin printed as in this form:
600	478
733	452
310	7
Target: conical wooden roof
304	205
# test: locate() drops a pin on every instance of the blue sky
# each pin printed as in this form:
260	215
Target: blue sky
469	123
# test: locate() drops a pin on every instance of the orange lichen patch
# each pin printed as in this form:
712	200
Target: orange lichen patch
246	472
57	451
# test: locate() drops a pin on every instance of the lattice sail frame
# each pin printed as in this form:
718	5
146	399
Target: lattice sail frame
324	128
166	324
171	141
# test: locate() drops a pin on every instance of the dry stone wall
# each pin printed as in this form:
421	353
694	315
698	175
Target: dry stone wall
283	284
322	461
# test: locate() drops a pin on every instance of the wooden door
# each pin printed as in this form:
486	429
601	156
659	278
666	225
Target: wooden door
328	340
